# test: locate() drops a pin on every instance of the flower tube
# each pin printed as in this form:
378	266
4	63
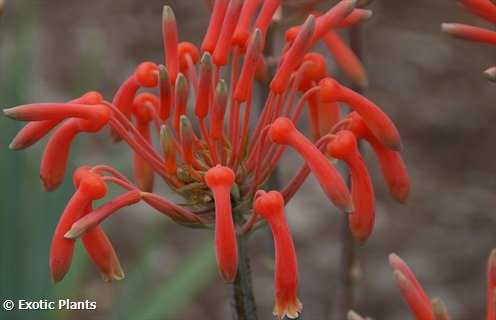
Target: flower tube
392	165
411	290
283	131
220	181
36	130
344	147
270	206
90	187
378	122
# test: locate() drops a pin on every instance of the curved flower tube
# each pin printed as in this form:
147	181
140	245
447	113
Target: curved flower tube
378	122
220	180
344	147
411	290
392	165
36	130
101	251
283	131
89	187
145	108
270	206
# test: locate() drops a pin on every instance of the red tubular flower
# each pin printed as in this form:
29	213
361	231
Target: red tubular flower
220	181
146	75
90	187
392	166
333	18
293	57
255	47
181	99
165	93
378	122
344	147
169	36
345	58
219	110
322	115
356	16
56	155
467	32
101	251
314	69
491	286
169	149
94	218
57	111
283	131
411	290
242	32
265	16
145	106
186	134
204	86
214	26
271	207
223	46
483	8
36	130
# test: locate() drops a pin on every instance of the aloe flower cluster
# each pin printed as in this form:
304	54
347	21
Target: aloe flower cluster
485	9
214	151
424	308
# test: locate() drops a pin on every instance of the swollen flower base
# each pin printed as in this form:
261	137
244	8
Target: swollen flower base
214	151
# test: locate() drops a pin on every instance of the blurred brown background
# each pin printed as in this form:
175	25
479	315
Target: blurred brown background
430	85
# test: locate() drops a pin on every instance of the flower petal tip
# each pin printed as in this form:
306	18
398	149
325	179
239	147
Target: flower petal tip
57	276
448	27
15	146
71	234
116	275
490	74
228	275
10	112
367	14
401	193
393	259
352	315
289	310
49	184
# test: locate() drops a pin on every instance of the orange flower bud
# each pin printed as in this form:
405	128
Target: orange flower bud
346	59
169	39
215	25
223	46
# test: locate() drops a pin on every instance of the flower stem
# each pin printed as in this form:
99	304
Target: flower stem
344	291
243	298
